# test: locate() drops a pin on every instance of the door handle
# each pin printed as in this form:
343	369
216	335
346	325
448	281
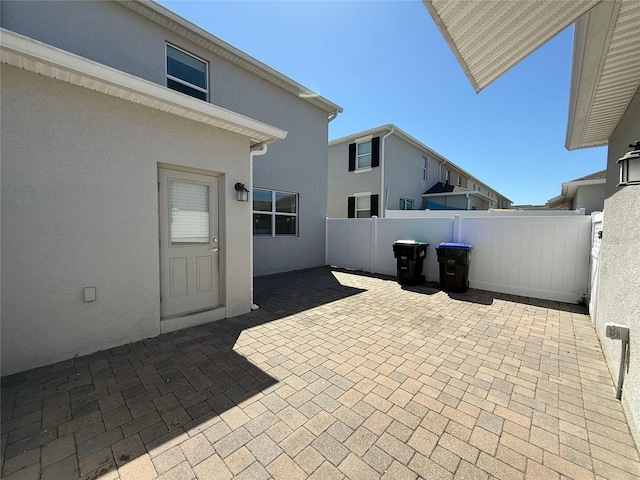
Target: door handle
214	249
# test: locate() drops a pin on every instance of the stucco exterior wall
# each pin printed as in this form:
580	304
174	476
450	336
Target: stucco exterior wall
618	298
136	45
80	208
589	197
342	183
403	172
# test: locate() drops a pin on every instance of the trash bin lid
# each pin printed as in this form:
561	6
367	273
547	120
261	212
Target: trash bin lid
459	246
409	242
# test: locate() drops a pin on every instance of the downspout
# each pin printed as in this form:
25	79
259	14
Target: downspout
468	201
383	195
259	149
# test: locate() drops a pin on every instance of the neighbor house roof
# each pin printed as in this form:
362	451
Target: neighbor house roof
569	189
416	143
41	58
440	187
489	37
165	17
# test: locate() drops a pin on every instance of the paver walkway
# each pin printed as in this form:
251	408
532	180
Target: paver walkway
338	375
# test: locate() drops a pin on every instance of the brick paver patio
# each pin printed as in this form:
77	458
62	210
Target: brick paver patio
338	375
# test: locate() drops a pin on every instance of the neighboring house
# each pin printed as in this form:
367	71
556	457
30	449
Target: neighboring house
587	192
125	130
387	169
604	109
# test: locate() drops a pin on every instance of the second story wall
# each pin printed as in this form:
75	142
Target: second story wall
114	35
344	183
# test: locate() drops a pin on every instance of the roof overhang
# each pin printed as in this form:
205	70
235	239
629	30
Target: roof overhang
166	18
37	57
490	37
605	71
459	193
569	190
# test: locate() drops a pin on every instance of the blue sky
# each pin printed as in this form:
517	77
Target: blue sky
386	62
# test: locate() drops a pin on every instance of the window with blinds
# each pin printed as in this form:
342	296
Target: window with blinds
189	207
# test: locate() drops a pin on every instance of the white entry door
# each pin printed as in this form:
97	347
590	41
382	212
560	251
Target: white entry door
189	245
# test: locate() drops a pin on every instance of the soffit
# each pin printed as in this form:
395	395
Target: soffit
605	73
169	20
490	37
37	57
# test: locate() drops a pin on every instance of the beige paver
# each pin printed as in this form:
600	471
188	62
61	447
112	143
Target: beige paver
338	375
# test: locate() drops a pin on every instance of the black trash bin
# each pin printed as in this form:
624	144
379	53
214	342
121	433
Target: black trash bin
454	259
410	255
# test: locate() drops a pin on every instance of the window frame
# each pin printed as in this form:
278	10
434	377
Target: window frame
447	177
404	202
184	82
274	214
358	197
370	154
425	167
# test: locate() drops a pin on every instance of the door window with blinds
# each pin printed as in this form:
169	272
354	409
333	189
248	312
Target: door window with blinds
189	207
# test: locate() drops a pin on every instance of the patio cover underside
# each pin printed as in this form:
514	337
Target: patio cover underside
490	37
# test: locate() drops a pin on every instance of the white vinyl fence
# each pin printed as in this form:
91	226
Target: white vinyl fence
541	256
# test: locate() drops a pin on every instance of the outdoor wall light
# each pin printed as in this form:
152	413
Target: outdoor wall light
241	192
630	166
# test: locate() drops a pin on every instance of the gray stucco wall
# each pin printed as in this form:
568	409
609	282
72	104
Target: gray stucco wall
618	297
116	36
590	197
80	208
342	183
403	172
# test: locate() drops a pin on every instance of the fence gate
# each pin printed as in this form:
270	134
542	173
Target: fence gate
596	241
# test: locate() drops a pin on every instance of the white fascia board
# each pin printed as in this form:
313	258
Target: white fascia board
41	58
168	19
591	39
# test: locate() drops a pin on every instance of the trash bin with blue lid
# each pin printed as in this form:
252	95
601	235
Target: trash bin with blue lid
410	255
454	259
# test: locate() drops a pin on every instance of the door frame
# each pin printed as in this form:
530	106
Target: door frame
187	319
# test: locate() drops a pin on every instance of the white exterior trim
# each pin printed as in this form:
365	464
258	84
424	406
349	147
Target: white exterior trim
37	57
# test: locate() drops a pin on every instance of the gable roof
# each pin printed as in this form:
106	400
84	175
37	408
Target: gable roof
569	189
41	58
489	37
169	20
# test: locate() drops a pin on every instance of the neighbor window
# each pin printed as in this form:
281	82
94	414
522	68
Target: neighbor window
459	182
447	175
275	213
363	155
363	207
424	168
406	204
186	73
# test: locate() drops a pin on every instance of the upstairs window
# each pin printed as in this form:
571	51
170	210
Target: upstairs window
186	73
447	176
424	168
364	154
459	181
